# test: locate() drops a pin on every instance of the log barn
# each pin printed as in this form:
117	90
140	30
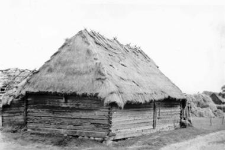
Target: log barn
218	98
10	80
97	87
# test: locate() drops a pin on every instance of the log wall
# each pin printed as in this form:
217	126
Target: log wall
71	115
168	115
132	120
135	120
13	114
87	116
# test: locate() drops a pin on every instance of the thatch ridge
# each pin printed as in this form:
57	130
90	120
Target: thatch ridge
90	63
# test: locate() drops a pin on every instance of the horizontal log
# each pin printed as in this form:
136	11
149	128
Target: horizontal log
12	114
132	110
169	114
122	122
133	132
7	123
165	121
17	102
12	105
67	105
65	102
125	125
103	113
11	120
8	120
68	127
69	132
169	106
47	124
13	117
68	108
131	115
64	120
169	110
69	115
128	118
12	109
134	129
123	135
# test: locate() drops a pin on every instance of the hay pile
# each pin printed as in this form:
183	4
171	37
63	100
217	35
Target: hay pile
203	106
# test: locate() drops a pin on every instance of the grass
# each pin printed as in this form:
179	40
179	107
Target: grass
155	141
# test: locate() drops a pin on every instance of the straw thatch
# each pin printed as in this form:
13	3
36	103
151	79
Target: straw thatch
89	63
13	81
11	77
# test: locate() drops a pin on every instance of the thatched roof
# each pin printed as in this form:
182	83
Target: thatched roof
11	80
219	97
89	63
209	93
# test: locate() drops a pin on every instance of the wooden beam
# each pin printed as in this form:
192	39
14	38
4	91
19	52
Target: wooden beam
159	110
25	111
2	123
65	99
154	115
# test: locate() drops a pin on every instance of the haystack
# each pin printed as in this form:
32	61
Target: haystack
203	106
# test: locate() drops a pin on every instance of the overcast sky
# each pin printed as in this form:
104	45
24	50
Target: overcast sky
186	40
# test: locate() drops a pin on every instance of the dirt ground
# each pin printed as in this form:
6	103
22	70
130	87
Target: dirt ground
211	133
210	141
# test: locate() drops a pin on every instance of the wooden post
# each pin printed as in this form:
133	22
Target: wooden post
64	99
2	115
180	112
25	111
110	135
154	114
110	118
159	111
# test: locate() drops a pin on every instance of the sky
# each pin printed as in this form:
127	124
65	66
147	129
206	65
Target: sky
185	39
